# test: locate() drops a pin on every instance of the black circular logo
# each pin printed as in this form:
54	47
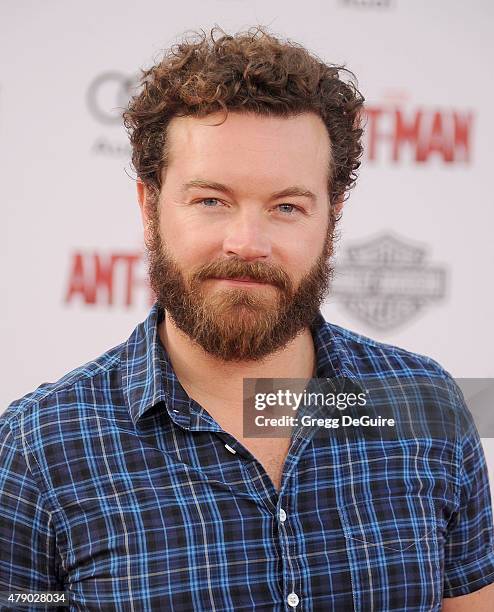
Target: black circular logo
108	96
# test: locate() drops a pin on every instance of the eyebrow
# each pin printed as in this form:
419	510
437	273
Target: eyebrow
289	192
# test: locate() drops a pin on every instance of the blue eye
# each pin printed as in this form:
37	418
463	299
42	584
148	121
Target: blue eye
287	209
292	208
206	200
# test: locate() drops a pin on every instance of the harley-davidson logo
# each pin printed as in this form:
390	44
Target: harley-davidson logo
386	281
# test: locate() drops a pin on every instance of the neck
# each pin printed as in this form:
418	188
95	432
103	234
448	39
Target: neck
203	375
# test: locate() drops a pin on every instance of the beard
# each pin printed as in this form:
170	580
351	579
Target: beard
235	324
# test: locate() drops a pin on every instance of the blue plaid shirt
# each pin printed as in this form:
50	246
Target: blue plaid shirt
117	487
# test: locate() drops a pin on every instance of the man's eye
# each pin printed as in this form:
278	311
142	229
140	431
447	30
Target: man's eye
288	209
209	202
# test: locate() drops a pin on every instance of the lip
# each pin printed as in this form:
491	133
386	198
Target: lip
240	281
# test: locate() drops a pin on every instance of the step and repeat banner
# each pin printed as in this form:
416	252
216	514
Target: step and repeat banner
415	256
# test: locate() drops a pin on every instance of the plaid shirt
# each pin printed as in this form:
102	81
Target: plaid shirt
117	487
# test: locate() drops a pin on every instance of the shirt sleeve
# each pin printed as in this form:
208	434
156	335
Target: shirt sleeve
469	547
28	556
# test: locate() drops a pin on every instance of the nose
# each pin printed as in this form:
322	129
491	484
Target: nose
247	238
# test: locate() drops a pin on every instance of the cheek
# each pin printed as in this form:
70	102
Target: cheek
191	246
294	261
301	253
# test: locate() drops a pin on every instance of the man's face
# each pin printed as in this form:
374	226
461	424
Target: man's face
240	237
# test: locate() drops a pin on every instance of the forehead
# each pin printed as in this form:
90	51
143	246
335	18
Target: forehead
252	143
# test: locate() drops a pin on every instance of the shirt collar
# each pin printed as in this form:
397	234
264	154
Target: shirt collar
332	356
145	367
148	377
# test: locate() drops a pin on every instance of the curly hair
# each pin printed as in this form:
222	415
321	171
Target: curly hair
251	71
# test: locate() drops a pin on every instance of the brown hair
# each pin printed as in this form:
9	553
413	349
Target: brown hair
251	71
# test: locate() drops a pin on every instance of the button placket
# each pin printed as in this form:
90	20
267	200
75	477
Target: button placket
289	574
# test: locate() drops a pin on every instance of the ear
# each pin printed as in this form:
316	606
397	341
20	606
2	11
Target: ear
338	205
143	197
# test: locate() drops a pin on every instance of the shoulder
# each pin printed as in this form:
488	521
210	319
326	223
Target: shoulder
369	356
69	390
408	383
398	372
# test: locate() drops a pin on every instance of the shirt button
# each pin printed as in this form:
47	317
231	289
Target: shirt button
283	517
293	600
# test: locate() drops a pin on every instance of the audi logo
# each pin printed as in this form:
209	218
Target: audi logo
108	96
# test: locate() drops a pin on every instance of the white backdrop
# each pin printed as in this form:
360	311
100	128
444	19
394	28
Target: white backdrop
421	215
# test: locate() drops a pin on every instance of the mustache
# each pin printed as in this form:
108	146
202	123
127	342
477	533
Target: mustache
237	268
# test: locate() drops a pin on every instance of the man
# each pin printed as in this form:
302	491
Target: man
130	482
